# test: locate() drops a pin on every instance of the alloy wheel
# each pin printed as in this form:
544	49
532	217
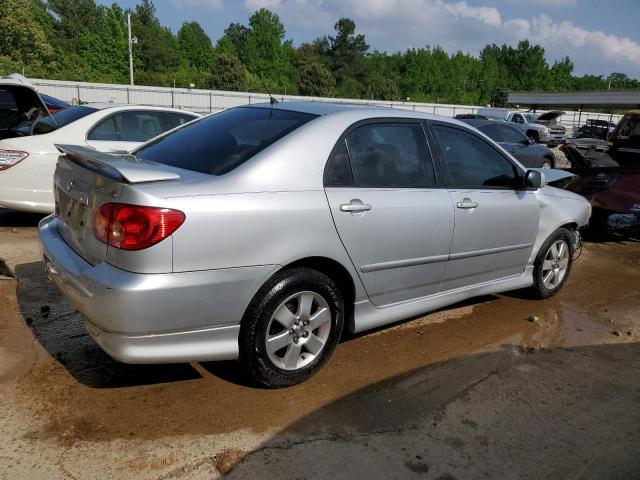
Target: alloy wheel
555	264
298	330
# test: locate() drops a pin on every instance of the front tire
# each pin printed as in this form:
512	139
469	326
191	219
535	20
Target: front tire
553	264
546	163
291	327
533	135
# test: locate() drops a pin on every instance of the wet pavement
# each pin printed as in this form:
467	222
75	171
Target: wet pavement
471	391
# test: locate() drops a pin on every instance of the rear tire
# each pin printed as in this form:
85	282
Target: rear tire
291	328
553	264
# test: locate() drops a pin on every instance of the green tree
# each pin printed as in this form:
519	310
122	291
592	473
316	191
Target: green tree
346	50
266	53
157	48
314	77
22	40
195	46
228	73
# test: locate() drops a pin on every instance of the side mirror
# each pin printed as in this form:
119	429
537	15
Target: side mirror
534	179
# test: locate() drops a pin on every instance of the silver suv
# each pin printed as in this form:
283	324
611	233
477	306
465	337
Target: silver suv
262	232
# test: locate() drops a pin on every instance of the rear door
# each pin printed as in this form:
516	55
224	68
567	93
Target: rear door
393	218
495	222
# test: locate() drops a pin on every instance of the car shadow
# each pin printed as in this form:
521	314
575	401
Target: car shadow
517	407
60	329
14	218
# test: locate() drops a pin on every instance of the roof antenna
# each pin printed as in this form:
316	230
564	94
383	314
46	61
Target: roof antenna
272	99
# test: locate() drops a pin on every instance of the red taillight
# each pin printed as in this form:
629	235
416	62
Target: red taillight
134	227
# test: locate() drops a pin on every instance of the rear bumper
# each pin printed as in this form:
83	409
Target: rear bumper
154	318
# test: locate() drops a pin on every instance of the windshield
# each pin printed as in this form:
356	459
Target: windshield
528	117
221	142
57	120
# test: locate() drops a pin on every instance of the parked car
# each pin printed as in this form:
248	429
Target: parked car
54	104
529	153
261	232
19	103
28	160
609	171
541	128
594	129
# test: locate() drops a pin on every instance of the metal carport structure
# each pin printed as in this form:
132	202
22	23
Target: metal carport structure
605	99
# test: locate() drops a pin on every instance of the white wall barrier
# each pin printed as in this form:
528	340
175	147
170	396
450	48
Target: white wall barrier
206	101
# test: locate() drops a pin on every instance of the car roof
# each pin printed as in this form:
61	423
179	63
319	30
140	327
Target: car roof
475	122
124	106
314	108
355	111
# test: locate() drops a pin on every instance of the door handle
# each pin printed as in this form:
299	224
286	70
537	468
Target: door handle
466	203
355	207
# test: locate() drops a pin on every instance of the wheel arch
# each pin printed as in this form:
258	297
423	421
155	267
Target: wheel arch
336	272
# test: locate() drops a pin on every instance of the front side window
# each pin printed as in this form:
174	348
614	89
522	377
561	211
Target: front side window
511	135
218	143
390	155
471	162
517	119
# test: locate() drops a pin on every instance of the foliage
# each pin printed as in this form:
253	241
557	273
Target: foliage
87	41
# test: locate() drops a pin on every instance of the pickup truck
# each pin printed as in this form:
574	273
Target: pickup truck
539	128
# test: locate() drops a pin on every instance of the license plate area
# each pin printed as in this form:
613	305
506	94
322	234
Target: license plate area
71	211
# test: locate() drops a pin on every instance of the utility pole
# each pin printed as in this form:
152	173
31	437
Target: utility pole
132	40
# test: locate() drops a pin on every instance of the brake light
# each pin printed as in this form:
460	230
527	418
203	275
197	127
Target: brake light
134	227
8	158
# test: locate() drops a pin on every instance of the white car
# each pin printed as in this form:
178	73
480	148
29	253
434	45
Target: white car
28	157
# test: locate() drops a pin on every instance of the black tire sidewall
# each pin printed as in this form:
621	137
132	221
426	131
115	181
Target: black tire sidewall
253	355
538	284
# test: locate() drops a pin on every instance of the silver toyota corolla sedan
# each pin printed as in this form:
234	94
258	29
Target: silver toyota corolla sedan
262	232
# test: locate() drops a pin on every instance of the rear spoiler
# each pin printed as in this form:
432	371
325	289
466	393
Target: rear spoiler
122	167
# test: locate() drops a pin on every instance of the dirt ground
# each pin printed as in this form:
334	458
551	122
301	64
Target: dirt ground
472	391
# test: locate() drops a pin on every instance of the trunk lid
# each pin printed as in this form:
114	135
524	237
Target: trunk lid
85	179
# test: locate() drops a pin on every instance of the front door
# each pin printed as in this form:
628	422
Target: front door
394	222
496	222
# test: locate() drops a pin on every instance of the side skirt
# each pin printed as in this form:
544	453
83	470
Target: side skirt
368	316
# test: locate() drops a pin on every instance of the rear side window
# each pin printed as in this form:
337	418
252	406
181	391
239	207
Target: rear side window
471	162
338	172
491	131
221	142
174	119
511	135
390	155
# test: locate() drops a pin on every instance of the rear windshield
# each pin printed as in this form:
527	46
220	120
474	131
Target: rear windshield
57	120
219	143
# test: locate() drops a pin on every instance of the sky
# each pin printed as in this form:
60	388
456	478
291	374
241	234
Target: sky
600	36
